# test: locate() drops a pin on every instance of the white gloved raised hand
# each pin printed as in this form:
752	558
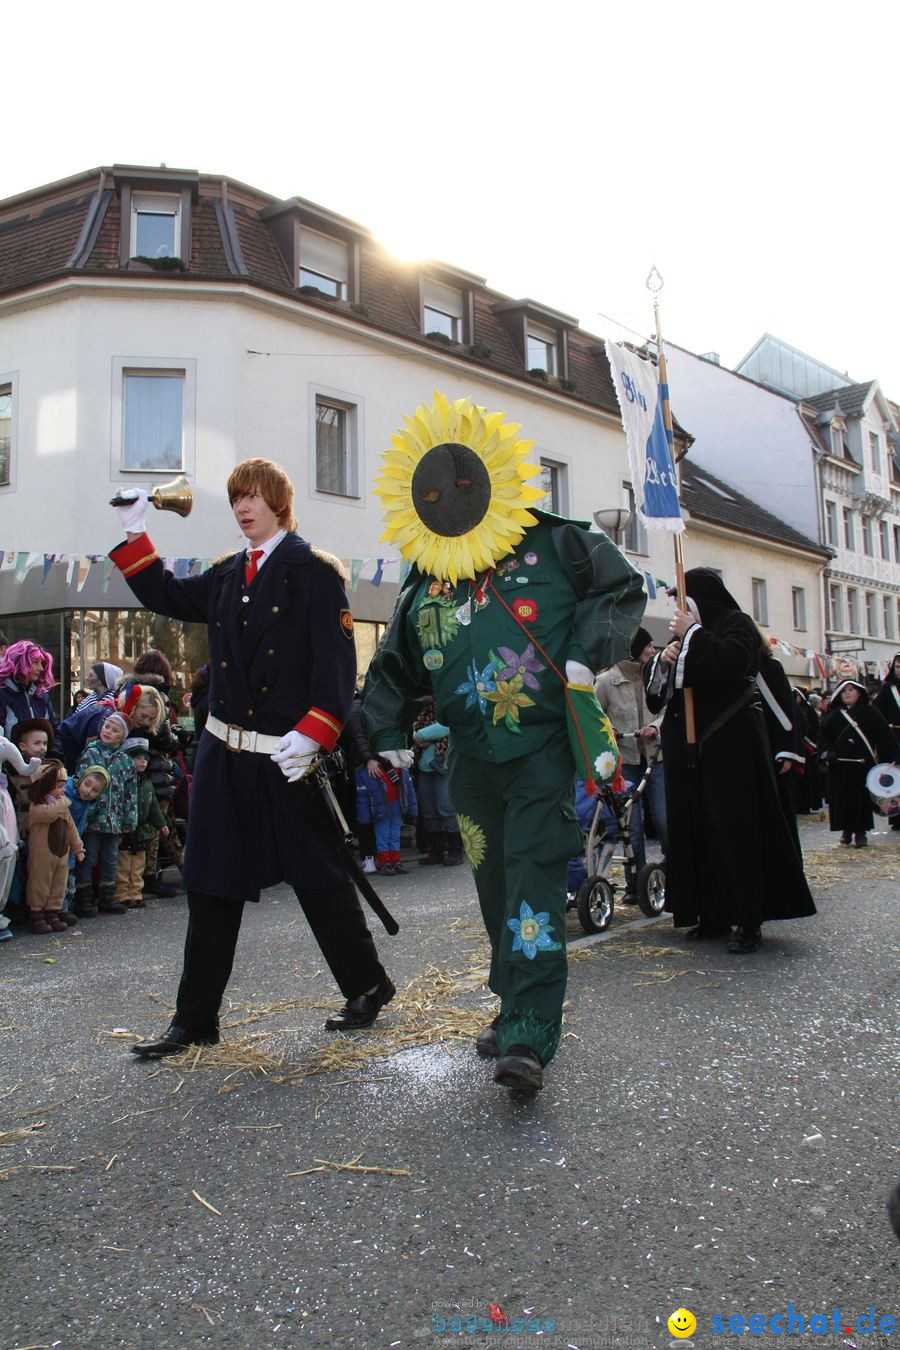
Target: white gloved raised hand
398	759
132	514
576	673
294	755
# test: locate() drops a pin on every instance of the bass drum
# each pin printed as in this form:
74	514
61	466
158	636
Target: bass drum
883	783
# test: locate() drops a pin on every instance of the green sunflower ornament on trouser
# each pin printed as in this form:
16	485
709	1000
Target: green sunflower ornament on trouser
501	608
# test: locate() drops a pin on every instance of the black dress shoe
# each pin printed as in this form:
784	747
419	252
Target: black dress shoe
162	889
486	1040
361	1011
520	1069
173	1041
744	940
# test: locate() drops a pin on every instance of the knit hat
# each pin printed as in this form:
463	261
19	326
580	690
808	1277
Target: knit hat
111	716
92	771
31	724
136	745
640	640
107	673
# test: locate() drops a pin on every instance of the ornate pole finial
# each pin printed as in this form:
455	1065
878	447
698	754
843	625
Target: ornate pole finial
654	281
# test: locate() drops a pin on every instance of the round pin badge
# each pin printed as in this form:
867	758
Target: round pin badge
433	660
529	558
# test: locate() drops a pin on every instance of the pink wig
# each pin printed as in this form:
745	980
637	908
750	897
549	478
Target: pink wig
16	665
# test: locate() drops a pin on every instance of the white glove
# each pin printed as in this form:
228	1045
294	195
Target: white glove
132	515
576	673
398	759
294	755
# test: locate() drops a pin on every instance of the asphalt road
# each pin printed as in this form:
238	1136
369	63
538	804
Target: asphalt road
718	1133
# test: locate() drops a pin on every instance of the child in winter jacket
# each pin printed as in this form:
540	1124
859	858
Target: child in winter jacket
51	836
114	814
133	846
385	800
82	790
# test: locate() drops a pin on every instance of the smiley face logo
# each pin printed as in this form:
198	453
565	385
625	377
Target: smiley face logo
682	1323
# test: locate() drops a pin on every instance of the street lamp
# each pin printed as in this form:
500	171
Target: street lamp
613	519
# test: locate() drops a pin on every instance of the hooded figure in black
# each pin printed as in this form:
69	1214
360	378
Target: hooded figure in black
731	858
853	738
887	701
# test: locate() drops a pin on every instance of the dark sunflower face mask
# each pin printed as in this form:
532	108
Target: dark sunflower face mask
454	489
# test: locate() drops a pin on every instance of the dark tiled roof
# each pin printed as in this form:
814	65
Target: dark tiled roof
735	511
39	231
851	397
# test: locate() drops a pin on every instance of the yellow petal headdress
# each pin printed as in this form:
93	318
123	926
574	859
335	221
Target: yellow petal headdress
454	490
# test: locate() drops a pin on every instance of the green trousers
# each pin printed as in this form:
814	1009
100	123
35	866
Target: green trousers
518	826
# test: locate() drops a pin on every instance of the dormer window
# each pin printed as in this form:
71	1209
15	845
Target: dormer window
155	225
442	310
541	350
324	263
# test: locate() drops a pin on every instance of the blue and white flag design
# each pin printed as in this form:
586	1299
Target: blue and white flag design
649	452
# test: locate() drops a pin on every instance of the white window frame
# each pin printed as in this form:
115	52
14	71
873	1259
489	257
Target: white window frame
798	607
849	529
759	592
868	536
560	470
159	204
326	270
871	614
887	614
153	365
884	539
853	612
831	523
550	341
353	407
634	536
836	607
875	451
445	303
11	378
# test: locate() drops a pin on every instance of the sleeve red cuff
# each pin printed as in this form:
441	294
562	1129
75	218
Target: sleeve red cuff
320	726
133	556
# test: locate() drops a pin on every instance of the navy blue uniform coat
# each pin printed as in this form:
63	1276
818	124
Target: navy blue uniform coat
288	649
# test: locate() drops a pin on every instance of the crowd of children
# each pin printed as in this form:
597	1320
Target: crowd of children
73	845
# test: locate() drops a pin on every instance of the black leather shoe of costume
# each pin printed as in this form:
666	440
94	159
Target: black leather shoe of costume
361	1011
173	1041
744	940
486	1040
520	1070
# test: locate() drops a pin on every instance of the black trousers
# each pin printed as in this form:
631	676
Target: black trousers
338	925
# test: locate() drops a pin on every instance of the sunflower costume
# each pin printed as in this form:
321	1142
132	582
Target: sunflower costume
500	597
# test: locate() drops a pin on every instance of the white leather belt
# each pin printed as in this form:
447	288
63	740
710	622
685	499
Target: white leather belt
236	738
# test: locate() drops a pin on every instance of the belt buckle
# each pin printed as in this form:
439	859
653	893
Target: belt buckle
238	733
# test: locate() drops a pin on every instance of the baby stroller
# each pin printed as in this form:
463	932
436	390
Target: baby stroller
594	898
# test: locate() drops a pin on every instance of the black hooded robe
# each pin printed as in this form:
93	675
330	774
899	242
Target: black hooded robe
731	857
842	744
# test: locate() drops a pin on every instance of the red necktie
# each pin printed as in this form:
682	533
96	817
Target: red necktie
250	567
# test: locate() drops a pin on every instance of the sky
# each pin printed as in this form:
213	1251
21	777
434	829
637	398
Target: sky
749	152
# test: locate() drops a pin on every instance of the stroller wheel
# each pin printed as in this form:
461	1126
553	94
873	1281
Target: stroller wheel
595	903
651	889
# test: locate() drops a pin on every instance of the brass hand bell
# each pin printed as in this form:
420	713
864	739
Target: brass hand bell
175	496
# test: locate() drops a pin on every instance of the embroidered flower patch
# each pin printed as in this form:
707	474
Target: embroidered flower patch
507	699
525	665
479	686
532	932
525	609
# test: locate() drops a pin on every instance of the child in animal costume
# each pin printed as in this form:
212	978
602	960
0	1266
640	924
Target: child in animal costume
9	830
51	837
505	616
32	737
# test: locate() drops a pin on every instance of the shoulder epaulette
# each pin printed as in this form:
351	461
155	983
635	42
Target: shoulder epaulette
331	559
223	557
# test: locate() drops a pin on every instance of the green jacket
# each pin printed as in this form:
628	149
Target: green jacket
566	594
150	815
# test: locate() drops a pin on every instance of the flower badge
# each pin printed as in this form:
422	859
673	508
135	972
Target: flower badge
507	699
532	932
479	686
473	841
605	765
526	666
525	609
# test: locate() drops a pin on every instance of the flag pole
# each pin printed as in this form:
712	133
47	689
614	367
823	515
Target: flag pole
655	285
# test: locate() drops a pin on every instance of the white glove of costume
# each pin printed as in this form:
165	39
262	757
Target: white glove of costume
294	755
399	759
576	673
132	515
11	754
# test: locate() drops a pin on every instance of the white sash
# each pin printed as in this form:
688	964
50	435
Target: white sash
861	734
777	710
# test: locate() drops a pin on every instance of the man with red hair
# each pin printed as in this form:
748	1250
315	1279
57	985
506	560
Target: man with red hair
282	673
